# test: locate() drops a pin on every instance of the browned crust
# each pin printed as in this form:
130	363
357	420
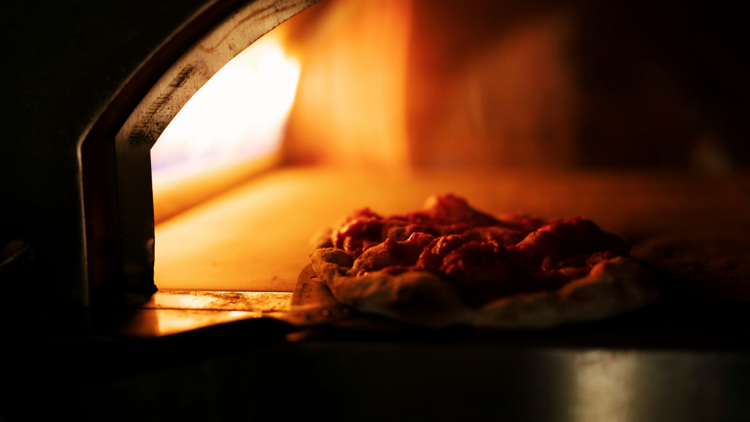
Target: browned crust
612	287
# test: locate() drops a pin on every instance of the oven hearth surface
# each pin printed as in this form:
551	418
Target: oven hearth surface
239	256
256	236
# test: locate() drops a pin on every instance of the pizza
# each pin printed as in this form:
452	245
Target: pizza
450	264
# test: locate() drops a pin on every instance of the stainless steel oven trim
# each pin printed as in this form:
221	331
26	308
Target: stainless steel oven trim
120	229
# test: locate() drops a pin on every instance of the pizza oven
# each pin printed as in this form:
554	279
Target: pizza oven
165	166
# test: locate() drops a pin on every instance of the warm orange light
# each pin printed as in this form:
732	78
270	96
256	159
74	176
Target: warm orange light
239	114
351	107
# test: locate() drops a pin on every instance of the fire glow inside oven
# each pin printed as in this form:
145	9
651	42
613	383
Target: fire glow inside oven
550	108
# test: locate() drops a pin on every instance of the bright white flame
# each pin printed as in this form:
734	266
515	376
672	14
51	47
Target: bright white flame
238	115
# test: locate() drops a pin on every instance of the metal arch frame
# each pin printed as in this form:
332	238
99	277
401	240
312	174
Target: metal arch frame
120	223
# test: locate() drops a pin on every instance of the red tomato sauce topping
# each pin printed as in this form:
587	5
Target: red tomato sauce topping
481	256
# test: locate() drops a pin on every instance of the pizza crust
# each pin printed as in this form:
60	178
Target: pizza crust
612	287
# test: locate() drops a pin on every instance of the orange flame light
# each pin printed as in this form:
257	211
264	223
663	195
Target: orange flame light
239	115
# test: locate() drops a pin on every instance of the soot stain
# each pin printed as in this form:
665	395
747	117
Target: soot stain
145	133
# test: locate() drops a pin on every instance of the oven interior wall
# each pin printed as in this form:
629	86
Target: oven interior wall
540	84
